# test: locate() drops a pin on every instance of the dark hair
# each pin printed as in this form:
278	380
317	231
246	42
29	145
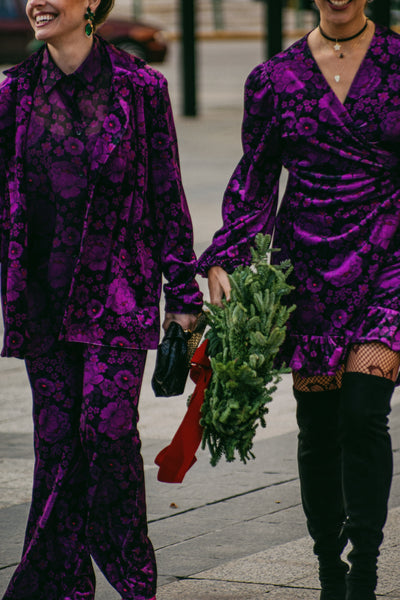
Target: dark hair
102	12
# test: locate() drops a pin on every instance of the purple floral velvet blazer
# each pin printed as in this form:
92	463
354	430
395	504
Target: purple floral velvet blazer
135	179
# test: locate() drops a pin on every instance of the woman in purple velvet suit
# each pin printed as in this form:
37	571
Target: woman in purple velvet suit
92	213
328	109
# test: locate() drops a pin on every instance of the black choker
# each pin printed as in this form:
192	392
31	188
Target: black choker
352	37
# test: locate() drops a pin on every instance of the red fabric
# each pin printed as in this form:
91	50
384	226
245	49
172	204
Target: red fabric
177	458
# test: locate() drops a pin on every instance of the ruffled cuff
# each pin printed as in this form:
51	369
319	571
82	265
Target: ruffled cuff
228	259
183	299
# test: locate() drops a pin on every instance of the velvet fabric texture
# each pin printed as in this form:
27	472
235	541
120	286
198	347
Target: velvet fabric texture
88	490
339	218
92	214
133	178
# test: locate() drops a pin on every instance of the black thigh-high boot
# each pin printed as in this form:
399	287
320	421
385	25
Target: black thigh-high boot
367	474
319	463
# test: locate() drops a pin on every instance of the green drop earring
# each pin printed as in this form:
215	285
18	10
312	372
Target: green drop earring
89	28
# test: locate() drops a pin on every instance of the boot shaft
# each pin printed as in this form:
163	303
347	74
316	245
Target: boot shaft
367	465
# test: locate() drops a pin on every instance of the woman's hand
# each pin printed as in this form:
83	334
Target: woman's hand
185	321
219	286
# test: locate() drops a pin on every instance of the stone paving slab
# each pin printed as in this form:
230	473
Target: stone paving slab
287	569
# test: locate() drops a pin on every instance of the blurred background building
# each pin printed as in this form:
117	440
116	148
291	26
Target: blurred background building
147	27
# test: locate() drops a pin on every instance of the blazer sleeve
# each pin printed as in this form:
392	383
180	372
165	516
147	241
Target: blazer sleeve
6	141
172	217
250	200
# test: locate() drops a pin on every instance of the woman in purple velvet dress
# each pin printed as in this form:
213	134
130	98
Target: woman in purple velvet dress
92	213
328	109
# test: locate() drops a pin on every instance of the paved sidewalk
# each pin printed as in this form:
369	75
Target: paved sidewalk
234	532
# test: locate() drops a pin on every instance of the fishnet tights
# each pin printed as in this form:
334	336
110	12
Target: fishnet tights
373	358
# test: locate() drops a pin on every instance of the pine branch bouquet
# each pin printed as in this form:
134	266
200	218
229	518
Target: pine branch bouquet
244	338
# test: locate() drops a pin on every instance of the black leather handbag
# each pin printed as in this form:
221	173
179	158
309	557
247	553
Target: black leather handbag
174	354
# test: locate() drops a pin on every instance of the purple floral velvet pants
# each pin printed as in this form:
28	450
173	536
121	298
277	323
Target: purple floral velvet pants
88	490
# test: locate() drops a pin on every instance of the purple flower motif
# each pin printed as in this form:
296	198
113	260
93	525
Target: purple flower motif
162	176
112	124
14	250
73	146
339	318
116	419
14	340
26	103
124	379
57	130
82	294
301	270
96	253
288	80
121	298
16	283
74	522
70	236
95	309
120	341
92	377
160	141
289	118
111	220
118	171
45	387
108	388
53	424
306	126
124	258
313	286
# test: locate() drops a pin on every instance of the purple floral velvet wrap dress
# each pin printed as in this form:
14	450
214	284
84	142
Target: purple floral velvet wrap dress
339	218
92	213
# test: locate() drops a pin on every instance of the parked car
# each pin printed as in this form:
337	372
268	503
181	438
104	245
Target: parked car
17	39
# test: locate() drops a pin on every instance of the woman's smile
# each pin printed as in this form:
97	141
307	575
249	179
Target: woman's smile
43	19
339	4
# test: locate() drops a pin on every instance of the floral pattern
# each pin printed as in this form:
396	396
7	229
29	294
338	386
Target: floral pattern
339	218
92	214
92	182
88	491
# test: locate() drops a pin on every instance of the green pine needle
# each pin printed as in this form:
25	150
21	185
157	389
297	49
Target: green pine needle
244	338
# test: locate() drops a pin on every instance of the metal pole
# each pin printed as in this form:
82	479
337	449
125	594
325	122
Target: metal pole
218	14
381	12
137	8
188	50
273	27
